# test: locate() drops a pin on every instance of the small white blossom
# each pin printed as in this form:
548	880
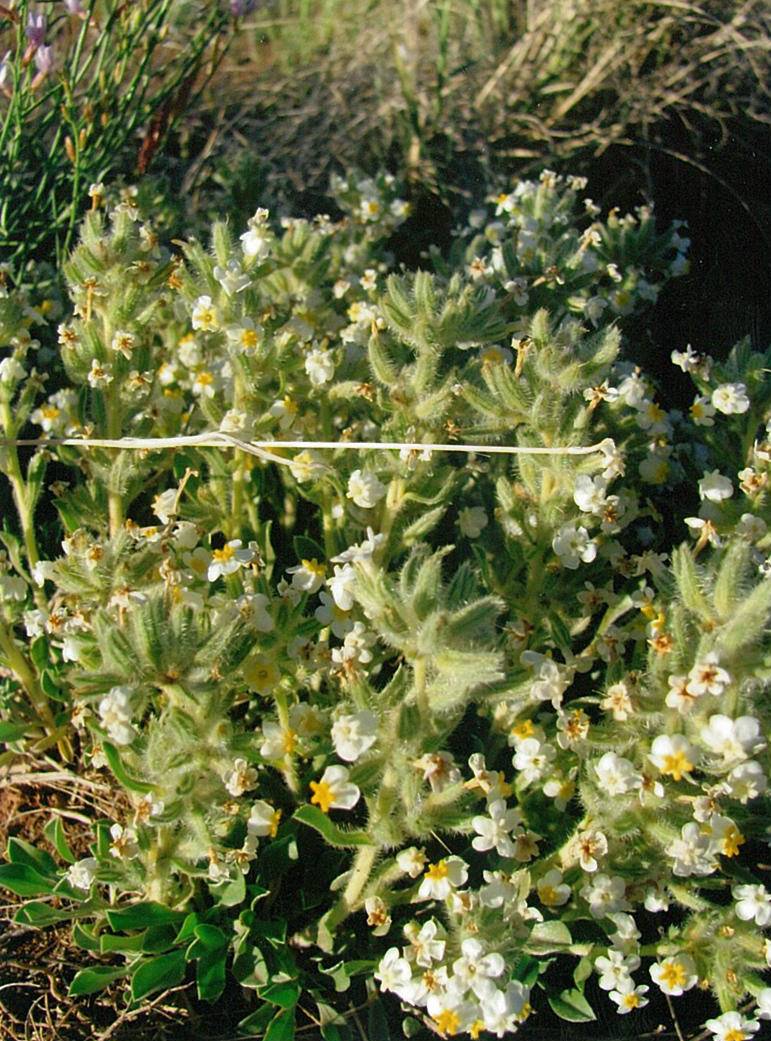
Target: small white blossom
365	489
730	398
115	715
320	366
228	560
81	874
442	877
493	832
471	521
573	546
240	778
732	1026
353	735
753	903
334	791
714	487
674	975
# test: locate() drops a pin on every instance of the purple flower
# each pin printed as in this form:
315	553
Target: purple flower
44	60
36	29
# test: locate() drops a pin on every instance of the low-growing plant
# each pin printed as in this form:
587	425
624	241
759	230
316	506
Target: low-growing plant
426	646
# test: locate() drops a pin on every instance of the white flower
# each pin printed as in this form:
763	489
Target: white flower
680	696
733	739
256	242
764	1003
674	975
474	969
253	608
342	585
442	877
100	375
471	521
751	527
730	398
629	997
673	756
307	576
124	842
732	1026
246	334
502	1009
228	560
533	758
378	918
604	894
334	791
330	614
240	778
361	551
205	315
353	735
573	546
753	903
115	714
365	489
589	493
11	371
552	891
692	853
707	677
589	846
427	943
393	972
232	278
277	742
263	820
411	861
615	970
81	874
701	412
165	505
307	466
616	775
320	366
687	360
493	831
715	487
356	646
746	781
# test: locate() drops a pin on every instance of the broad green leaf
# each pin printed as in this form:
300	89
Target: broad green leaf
256	1023
211	937
334	835
85	938
20	852
230	893
281	1027
138	916
54	832
117	943
23	880
210	974
285	995
13	731
572	1006
91	981
167	970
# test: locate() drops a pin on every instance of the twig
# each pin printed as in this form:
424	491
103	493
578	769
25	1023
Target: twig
130	1014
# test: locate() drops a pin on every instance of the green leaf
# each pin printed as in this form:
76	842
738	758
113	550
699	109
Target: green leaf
91	981
377	1023
210	974
39	914
24	880
546	937
334	835
85	938
230	893
167	970
572	1006
285	995
54	832
13	731
141	915
211	937
112	755
19	851
281	1027
256	1023
308	549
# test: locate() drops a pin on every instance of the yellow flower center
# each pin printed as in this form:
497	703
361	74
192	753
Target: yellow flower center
735	1034
290	743
249	339
631	1000
314	567
548	895
322	796
523	729
448	1022
476	1028
274	823
437	871
49	411
223	554
205	378
676	765
732	840
673	975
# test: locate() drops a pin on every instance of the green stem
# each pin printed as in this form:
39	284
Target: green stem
27	679
421	697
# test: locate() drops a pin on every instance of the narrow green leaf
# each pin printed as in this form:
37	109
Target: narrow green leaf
54	832
39	914
13	731
334	835
112	755
19	851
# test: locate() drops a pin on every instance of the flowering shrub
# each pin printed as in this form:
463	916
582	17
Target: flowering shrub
478	726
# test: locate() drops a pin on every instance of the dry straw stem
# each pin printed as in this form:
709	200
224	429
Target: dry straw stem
262	449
